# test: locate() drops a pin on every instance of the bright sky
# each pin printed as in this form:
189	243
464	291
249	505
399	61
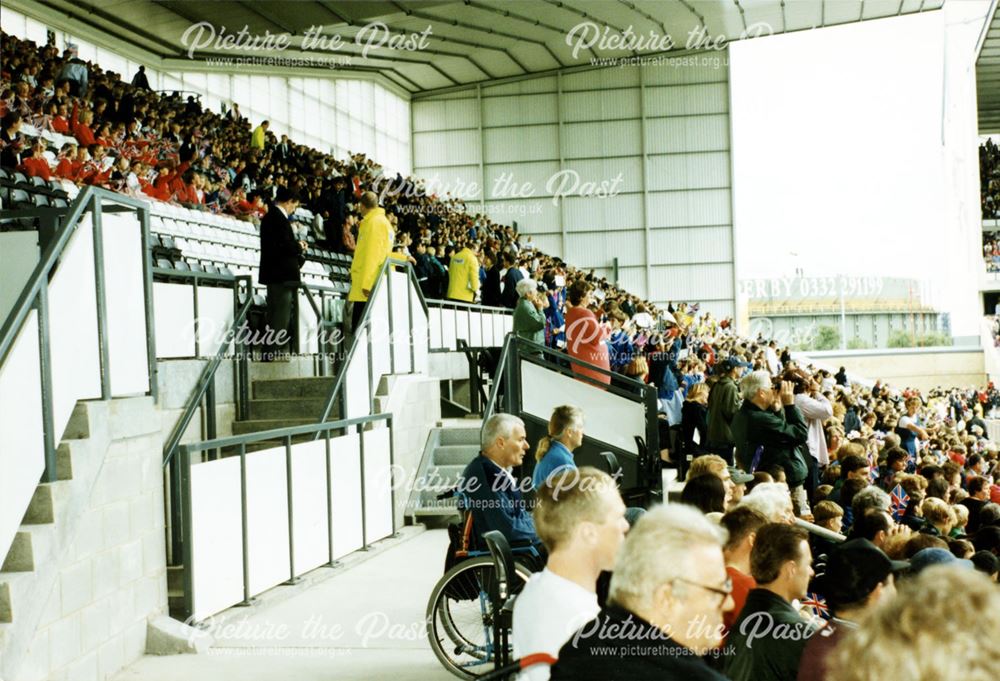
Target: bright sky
837	149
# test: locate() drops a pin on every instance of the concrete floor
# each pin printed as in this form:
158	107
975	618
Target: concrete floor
365	623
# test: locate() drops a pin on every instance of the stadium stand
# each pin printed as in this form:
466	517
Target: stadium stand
762	439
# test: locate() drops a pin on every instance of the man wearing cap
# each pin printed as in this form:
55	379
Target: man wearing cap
858	575
723	403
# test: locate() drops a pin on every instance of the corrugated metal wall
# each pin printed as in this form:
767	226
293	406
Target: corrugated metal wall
658	134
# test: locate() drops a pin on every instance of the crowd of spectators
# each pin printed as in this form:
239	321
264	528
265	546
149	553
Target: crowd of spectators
167	147
902	488
911	479
989	179
991	251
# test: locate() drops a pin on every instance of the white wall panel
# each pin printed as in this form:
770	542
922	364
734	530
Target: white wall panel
445	114
173	316
517	180
681	100
684	209
345	481
695	171
606	105
526	109
401	323
608	417
311	520
461	181
76	368
421	335
691	244
217	535
600	139
617	175
123	280
546	84
598	249
459	147
357	393
22	449
710	68
19	255
694	282
435	329
701	133
267	518
534	143
590	213
378	481
599	79
215	316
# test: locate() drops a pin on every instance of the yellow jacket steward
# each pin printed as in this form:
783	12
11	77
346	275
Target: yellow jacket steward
463	276
374	246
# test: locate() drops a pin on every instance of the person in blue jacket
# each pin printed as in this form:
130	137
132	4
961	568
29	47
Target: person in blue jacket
488	488
555	451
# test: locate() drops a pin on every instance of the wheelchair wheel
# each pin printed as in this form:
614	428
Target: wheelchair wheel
460	617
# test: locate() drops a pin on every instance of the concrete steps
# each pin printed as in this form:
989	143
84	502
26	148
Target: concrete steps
447	452
32	566
286	388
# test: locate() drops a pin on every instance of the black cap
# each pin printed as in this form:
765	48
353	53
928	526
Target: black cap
853	570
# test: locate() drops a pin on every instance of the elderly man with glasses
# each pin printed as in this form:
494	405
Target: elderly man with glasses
668	592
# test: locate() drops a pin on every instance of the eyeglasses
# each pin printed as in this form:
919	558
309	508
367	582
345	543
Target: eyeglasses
725	591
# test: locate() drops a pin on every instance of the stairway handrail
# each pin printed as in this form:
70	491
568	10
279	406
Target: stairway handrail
363	322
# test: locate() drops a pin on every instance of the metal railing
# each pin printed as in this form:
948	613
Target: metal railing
339	384
471	308
508	375
34	296
285	435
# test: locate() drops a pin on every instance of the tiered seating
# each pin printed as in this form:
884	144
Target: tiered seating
191	240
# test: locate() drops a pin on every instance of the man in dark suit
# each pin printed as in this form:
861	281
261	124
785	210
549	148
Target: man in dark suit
283	151
281	256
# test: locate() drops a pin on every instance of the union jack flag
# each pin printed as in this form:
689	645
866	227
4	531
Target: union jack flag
817	605
872	474
898	500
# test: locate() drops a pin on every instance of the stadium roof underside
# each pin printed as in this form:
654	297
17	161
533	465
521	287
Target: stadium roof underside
988	74
470	41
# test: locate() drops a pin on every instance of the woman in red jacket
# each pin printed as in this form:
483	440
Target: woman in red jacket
584	335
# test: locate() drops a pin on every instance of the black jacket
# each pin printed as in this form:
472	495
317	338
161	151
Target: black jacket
510	278
780	436
491	287
280	254
694	418
621	646
779	634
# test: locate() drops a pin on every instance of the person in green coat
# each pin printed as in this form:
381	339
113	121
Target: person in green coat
529	319
765	437
723	403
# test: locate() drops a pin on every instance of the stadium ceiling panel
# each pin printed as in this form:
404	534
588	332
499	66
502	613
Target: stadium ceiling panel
429	46
988	75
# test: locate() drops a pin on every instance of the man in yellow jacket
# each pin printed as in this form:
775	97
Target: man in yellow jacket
257	138
375	237
463	275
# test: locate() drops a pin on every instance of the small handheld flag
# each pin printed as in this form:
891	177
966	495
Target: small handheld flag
898	500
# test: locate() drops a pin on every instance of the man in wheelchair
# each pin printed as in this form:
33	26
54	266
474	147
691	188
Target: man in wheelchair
491	495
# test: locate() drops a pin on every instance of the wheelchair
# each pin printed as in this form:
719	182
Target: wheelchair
470	608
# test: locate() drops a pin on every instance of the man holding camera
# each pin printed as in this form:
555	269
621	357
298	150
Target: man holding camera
769	430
